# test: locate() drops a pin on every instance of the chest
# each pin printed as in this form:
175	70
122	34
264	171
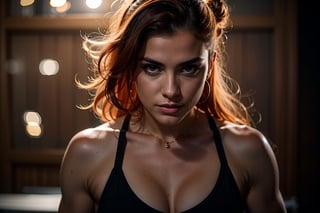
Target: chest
171	179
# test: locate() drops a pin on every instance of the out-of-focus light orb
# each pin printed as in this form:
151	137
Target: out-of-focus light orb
25	3
64	8
57	3
33	129
15	66
33	123
49	67
93	4
32	117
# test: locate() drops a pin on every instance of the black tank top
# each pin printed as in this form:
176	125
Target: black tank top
118	197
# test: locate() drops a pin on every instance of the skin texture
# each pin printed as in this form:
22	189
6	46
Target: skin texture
175	179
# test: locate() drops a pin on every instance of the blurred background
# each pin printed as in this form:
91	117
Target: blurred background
272	54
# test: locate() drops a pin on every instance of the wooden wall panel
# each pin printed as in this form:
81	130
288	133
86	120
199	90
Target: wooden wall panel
261	57
47	93
34	176
54	97
65	80
250	62
258	62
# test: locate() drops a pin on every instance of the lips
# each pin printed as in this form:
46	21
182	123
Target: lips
169	108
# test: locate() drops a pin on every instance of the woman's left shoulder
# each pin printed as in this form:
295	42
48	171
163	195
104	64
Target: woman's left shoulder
246	141
250	155
254	165
243	136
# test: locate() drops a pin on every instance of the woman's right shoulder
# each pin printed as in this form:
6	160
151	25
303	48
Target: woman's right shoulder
90	142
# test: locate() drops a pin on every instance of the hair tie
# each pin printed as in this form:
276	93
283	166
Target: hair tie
134	6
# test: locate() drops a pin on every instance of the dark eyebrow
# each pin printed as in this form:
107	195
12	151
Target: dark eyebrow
149	60
193	60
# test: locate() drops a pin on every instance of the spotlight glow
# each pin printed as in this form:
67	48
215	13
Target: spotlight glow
93	4
64	8
57	3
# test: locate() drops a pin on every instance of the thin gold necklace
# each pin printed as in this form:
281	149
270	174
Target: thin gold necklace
164	143
167	144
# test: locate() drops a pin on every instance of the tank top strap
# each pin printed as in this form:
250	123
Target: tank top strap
122	142
217	140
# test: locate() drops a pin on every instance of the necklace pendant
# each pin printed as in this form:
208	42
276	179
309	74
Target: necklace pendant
167	145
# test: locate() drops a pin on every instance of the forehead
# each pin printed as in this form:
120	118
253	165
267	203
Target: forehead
179	46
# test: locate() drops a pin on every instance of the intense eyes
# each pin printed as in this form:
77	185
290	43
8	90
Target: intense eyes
151	68
187	69
190	69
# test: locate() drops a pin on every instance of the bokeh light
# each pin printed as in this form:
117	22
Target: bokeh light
49	67
57	3
33	129
64	8
25	3
33	122
93	4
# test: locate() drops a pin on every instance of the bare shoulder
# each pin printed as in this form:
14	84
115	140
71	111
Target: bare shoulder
91	141
254	165
249	154
87	160
244	140
89	148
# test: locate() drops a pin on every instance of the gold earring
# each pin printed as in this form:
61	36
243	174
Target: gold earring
207	93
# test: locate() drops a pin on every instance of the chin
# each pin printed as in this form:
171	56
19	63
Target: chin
170	120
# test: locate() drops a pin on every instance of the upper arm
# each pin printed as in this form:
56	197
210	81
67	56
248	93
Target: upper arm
264	194
73	178
255	168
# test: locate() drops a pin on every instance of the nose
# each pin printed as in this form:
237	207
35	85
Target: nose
171	87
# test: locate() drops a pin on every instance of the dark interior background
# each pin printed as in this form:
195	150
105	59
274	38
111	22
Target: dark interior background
299	143
309	88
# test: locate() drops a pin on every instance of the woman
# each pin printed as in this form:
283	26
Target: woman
176	138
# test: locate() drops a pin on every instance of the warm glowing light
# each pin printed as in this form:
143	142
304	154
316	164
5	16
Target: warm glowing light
49	67
57	3
33	129
93	4
33	123
64	8
32	117
25	3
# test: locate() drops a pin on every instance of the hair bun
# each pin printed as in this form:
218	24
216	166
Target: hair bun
221	13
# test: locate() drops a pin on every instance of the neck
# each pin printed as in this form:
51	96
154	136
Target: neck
170	133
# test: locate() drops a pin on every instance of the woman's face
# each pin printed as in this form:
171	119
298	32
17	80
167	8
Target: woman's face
171	75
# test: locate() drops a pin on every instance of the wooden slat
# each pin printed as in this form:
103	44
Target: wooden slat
285	109
250	64
35	175
48	156
48	95
18	83
74	22
71	22
5	129
65	88
253	21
